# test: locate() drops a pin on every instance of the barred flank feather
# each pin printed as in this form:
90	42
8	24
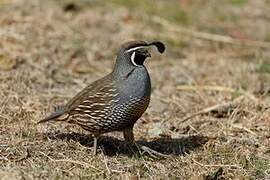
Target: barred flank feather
110	117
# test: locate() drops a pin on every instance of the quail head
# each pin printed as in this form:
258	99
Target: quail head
116	101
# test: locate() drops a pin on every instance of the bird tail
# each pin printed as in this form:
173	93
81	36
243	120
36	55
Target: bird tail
58	115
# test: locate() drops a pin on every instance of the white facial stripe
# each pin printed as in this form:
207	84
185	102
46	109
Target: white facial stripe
133	58
135	48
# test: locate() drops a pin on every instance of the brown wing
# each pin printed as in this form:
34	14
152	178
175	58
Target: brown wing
93	108
87	91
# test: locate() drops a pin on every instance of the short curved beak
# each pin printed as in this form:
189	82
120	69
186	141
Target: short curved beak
144	52
147	54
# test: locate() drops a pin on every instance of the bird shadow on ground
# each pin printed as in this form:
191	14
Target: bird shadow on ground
112	146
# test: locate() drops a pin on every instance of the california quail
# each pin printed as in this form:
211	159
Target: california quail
116	101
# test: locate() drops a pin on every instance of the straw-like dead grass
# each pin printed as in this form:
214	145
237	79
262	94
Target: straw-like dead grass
49	50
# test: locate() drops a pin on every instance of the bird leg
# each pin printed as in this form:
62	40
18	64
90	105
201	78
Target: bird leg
129	137
95	145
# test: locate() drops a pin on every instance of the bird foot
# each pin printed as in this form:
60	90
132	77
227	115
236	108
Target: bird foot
143	149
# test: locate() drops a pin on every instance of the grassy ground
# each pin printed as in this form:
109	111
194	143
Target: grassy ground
49	50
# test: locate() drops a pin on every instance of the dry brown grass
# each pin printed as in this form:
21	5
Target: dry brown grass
48	54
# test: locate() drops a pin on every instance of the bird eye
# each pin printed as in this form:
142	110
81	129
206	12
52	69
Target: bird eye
133	58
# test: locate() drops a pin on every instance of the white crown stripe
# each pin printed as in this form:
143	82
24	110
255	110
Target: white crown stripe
135	48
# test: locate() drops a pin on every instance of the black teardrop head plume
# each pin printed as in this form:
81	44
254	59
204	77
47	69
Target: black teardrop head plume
160	46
